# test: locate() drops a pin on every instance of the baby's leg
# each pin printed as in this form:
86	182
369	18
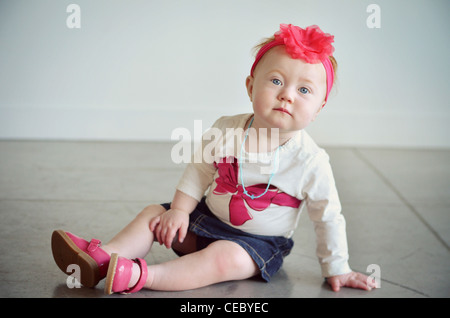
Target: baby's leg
136	239
220	261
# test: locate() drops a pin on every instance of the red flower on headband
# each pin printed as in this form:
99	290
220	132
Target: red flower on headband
311	44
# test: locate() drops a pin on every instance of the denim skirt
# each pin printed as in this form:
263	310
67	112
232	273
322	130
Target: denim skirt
268	252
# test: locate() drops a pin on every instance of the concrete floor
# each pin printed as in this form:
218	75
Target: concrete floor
396	203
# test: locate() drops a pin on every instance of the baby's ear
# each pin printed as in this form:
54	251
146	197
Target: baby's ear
249	85
318	111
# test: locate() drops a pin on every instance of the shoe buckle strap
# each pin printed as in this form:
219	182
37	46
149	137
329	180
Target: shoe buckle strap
93	245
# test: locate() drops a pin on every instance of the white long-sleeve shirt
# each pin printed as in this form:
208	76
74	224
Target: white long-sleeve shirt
302	178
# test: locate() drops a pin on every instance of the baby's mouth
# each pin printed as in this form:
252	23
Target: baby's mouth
284	110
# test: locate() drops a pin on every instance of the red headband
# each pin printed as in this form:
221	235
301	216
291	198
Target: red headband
310	44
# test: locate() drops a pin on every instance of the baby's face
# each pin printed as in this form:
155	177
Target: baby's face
286	93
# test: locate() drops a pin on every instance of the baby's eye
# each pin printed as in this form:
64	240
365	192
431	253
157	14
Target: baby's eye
276	81
304	90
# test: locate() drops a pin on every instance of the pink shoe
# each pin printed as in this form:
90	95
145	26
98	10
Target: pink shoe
70	249
119	275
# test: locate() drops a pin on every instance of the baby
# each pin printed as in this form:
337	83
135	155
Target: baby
259	171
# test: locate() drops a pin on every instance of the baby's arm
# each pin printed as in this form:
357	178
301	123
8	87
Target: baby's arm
324	209
196	179
166	226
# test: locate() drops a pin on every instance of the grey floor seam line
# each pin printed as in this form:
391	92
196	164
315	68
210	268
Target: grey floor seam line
405	287
400	196
395	283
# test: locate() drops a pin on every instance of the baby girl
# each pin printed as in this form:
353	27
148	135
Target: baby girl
232	217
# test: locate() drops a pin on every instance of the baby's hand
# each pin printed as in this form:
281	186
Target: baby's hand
166	226
352	279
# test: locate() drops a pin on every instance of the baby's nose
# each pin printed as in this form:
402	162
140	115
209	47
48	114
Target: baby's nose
286	95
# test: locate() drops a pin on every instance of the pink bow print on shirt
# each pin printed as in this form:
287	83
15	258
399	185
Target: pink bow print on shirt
227	182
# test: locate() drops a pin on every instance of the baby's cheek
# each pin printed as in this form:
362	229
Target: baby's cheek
259	105
302	121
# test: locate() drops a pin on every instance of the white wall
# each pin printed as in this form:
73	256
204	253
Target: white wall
136	70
